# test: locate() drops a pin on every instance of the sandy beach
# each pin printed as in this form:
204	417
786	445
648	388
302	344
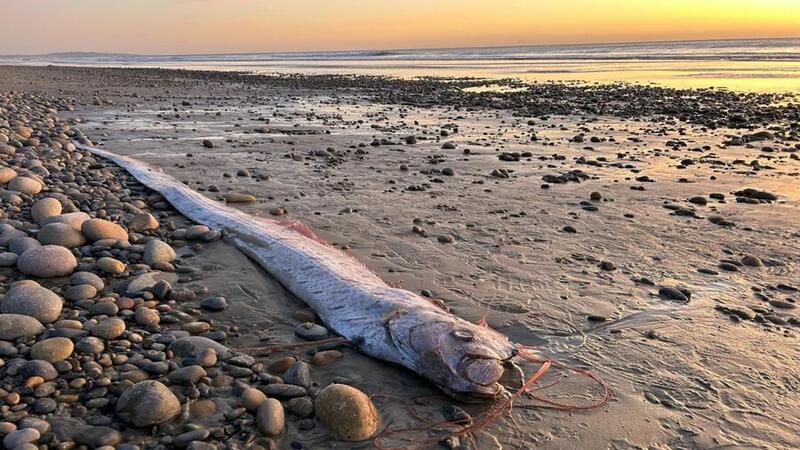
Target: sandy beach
649	235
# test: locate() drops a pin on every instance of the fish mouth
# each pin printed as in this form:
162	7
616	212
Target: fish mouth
483	375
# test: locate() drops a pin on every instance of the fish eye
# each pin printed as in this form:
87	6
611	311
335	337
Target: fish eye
464	335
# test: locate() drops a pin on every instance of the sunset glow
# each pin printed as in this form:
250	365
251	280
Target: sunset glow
217	26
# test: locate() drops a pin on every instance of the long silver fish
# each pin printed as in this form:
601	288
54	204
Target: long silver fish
395	325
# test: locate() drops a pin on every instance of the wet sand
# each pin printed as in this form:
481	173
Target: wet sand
547	263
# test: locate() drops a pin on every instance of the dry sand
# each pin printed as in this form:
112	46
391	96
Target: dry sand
684	375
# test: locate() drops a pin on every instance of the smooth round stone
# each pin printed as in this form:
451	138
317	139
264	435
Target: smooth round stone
157	251
90	344
8	259
9	235
39	368
23	244
216	303
311	331
192	346
60	234
89	278
184	439
104	308
73	219
29	298
111	328
282	365
17	438
270	417
42	426
147	316
26	185
80	292
111	265
239	197
196	327
44	405
97	436
752	261
347	413
251	399
97	229
147	403
47	261
143	222
280	390
207	358
326	357
7	174
301	406
187	375
45	208
53	349
299	374
68	323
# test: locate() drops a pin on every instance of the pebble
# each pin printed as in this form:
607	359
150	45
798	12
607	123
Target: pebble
251	399
270	417
184	439
91	345
29	298
97	229
347	413
752	261
311	331
216	303
301	406
326	357
187	375
97	436
143	222
26	185
671	293
14	326
110	328
782	304
156	251
47	261
17	438
111	265
147	403
7	174
53	349
44	209
239	197
8	259
192	346
280	390
146	316
298	374
80	292
282	365
60	234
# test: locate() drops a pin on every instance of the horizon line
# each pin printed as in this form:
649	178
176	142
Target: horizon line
656	41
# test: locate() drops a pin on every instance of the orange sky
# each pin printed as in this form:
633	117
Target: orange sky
219	26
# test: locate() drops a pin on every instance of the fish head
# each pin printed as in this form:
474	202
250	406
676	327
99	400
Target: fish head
465	360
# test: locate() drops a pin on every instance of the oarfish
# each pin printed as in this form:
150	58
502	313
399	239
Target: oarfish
384	322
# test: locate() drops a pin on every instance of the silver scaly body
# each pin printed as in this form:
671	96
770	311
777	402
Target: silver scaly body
387	323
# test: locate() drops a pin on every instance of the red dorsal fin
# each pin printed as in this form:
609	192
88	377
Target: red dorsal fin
300	227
